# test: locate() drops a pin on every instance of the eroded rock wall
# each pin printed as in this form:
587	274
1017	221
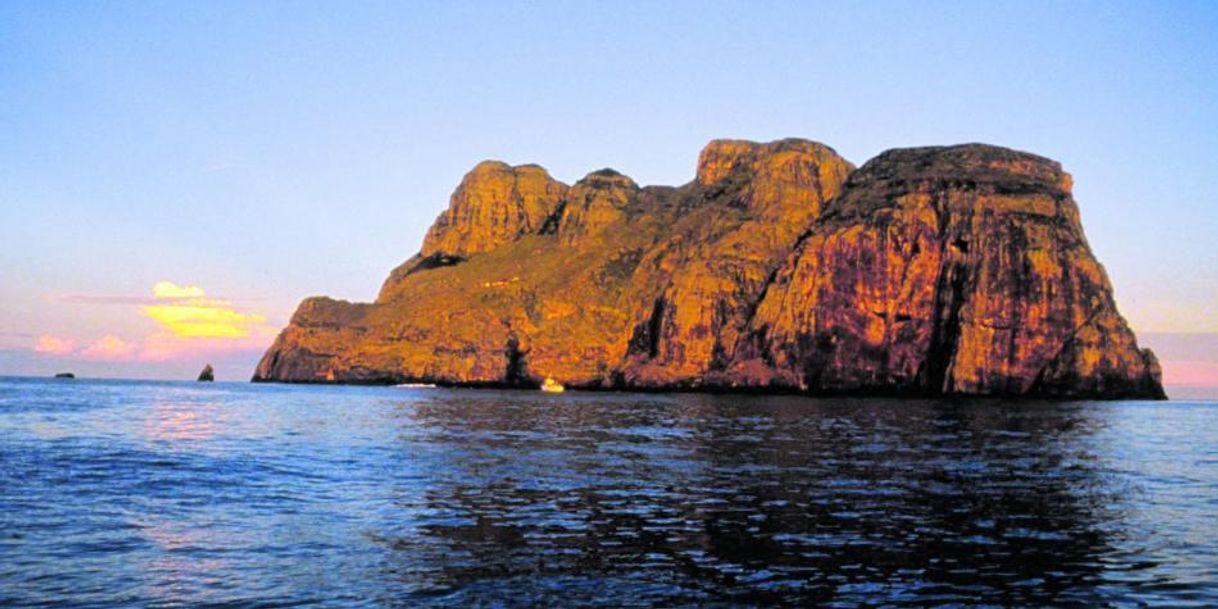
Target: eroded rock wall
929	271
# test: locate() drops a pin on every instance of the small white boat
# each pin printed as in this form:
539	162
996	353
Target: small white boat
552	386
416	386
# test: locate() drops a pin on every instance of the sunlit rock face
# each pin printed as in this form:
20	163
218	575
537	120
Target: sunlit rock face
495	204
744	212
594	203
928	271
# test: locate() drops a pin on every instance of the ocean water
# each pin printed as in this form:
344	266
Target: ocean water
144	494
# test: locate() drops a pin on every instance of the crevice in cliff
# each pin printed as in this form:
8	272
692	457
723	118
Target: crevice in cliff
950	293
654	326
516	373
945	338
750	314
551	223
646	338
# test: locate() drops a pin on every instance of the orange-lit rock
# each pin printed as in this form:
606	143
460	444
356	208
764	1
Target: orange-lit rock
930	271
595	202
495	204
742	215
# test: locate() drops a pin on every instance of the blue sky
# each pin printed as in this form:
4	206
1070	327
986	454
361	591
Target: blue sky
268	151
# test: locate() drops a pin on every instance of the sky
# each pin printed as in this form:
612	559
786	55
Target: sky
175	177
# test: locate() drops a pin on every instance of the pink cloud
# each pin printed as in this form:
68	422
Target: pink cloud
110	348
53	345
191	326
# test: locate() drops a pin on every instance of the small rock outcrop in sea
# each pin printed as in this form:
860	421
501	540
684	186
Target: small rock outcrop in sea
937	271
207	375
65	375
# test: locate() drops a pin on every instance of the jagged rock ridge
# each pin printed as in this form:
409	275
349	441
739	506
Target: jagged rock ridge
956	270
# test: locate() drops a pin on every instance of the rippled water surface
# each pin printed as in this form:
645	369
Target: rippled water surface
161	494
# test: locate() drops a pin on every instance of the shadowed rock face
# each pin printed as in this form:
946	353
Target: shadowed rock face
929	271
960	270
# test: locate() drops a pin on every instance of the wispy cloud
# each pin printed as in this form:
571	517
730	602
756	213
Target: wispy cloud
161	291
105	300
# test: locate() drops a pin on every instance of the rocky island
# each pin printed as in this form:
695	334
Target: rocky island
936	271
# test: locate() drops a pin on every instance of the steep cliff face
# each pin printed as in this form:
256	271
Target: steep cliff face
746	208
929	271
960	270
495	204
596	202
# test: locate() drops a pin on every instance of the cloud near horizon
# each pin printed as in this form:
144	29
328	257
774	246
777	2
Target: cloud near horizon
54	345
110	348
190	315
190	325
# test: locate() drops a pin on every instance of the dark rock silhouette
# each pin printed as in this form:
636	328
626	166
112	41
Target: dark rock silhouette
208	374
957	270
65	375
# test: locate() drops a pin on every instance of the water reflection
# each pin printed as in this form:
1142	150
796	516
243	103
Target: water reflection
184	565
761	501
155	494
175	422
